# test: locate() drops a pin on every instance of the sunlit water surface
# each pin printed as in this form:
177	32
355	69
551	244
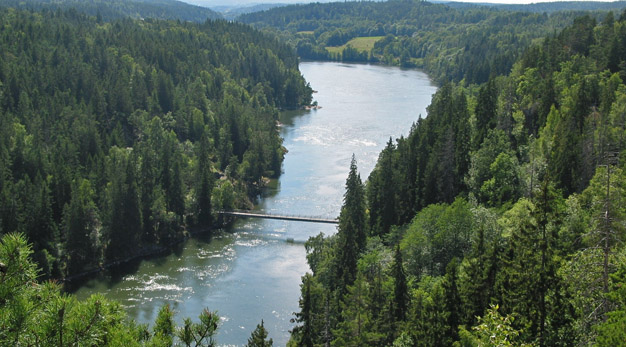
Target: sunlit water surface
250	272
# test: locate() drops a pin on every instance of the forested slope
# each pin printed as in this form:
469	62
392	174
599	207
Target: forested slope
499	219
549	7
456	44
116	9
116	137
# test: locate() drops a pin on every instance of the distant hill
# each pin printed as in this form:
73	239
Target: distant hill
232	12
547	7
112	9
451	41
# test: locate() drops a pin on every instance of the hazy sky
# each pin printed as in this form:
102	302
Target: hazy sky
210	3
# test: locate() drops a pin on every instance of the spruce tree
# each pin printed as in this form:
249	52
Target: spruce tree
351	235
80	220
400	288
452	301
304	331
381	193
205	184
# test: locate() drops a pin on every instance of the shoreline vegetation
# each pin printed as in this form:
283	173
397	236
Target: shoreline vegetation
112	146
450	42
499	219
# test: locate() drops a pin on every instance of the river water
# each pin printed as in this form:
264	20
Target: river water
250	272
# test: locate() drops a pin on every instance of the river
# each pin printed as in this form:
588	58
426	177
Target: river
250	272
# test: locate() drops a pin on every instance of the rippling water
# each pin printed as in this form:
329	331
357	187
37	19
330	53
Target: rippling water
250	272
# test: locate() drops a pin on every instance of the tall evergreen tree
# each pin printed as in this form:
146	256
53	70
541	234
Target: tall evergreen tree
381	195
452	301
400	287
81	221
205	182
123	223
351	234
485	112
304	332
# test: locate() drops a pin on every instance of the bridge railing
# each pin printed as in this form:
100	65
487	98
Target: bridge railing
303	218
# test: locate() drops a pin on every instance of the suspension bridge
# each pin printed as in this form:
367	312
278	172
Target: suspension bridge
248	214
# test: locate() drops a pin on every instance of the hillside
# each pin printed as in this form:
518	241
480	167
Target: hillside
499	219
468	43
113	9
117	139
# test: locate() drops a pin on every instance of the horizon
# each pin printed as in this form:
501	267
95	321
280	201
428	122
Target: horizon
242	3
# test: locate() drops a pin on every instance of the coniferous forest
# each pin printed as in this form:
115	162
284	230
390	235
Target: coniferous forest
449	41
129	133
116	9
498	220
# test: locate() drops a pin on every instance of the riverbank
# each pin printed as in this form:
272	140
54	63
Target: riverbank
250	270
220	222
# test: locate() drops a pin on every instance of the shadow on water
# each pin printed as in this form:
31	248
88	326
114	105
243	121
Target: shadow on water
271	189
288	118
204	239
115	274
112	276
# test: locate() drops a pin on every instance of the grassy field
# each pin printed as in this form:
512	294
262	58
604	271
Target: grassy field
360	44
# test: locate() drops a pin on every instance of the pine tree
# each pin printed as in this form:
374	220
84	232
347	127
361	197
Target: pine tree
164	325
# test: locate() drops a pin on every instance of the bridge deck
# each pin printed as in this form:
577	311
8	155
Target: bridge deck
279	217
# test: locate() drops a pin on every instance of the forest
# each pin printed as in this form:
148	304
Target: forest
498	220
450	42
119	138
116	9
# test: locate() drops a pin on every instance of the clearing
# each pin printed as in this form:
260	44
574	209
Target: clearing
361	44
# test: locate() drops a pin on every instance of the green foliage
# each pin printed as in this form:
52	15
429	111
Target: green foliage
504	183
259	337
471	43
493	330
352	232
400	290
480	171
381	193
504	206
114	133
39	314
611	332
83	224
202	333
438	234
115	9
164	326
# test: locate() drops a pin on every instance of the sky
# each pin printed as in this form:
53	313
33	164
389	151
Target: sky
212	3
